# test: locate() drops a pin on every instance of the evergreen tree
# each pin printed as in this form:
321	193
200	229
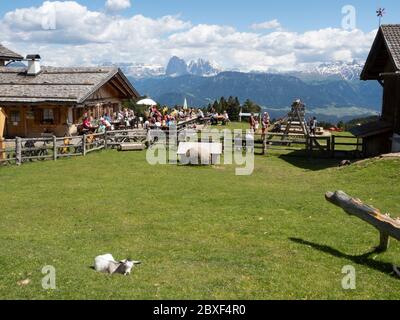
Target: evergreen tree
251	107
222	105
233	108
215	106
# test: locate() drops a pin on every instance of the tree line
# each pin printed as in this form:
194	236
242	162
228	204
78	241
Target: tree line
233	106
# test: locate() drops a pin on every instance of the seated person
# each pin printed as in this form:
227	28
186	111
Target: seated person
106	123
200	114
226	118
146	125
86	125
101	128
107	117
214	119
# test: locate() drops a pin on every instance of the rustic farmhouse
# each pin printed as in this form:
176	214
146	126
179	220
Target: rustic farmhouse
46	99
383	65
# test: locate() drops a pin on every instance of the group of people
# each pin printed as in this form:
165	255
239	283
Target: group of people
167	118
215	117
154	118
265	122
124	118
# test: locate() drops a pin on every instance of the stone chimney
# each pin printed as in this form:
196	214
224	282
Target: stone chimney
33	64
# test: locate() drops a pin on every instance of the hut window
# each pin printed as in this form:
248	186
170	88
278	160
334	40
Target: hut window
15	116
48	116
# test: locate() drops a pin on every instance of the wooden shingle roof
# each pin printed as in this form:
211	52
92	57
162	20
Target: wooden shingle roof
70	85
7	54
385	53
392	39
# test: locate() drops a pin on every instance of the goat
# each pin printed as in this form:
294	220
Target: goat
198	156
107	264
345	163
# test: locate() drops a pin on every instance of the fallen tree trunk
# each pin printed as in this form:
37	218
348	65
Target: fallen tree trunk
387	226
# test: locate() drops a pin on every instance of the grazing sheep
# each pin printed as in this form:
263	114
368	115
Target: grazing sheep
107	264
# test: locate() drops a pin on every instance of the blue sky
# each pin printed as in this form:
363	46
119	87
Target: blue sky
295	15
251	35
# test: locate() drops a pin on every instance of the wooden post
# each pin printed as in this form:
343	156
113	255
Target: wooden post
264	144
309	145
18	151
333	141
328	147
105	139
54	148
2	147
84	145
384	242
382	222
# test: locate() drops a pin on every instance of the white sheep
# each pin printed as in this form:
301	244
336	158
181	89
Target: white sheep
107	264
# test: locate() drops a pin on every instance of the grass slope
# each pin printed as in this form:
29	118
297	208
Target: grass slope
201	232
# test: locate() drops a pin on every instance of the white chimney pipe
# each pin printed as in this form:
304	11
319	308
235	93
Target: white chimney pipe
33	64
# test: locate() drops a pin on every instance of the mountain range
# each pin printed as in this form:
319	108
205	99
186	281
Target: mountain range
178	67
331	90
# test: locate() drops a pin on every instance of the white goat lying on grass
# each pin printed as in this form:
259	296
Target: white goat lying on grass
107	264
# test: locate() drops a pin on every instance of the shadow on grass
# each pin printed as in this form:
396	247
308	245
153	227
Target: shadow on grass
301	160
364	259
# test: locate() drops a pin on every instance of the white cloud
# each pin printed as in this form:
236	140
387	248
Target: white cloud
117	5
86	37
267	25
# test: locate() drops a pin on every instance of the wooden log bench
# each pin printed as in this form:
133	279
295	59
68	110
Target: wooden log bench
387	226
131	147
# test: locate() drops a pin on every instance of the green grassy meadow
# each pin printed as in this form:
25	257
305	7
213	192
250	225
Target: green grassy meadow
201	232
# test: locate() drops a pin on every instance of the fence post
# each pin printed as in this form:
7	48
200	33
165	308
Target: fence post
84	145
309	146
3	155
328	146
105	140
54	148
264	143
18	151
333	145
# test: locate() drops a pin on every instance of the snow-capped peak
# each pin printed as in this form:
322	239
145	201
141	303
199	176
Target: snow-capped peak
200	67
346	70
204	68
139	70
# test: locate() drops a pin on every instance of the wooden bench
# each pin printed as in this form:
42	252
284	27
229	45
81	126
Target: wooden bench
131	147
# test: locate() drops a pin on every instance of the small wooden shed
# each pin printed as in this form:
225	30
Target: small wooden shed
383	65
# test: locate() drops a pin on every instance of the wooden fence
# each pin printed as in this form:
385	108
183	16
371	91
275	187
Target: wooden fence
21	150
